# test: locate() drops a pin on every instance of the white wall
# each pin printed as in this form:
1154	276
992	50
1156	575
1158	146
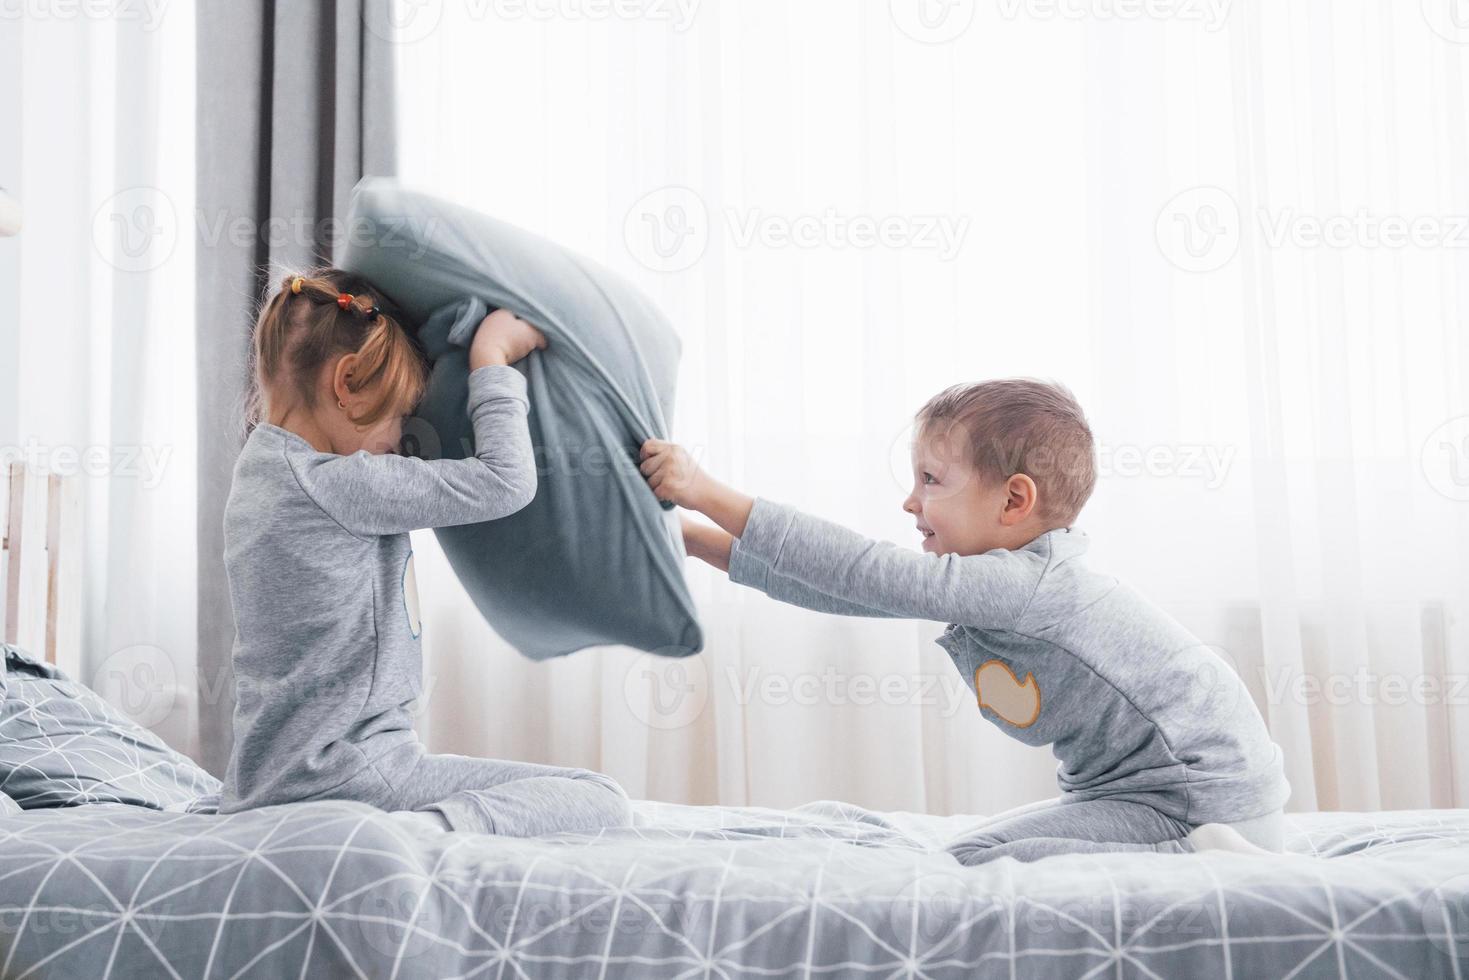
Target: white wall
10	178
55	251
96	323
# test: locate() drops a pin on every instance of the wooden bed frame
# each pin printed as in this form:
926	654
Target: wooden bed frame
40	557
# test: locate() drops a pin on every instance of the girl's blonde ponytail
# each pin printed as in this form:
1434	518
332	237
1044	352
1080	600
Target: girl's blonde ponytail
321	315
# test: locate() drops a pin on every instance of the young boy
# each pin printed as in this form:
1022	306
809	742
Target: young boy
1160	747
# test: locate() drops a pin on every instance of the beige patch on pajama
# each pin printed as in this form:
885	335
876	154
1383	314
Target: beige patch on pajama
997	688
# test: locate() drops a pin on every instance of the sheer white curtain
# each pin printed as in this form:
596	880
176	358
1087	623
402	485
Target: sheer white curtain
102	336
1195	217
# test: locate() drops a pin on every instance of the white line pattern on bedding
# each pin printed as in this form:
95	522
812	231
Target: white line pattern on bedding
341	889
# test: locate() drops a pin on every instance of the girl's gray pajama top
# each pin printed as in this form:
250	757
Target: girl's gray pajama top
327	656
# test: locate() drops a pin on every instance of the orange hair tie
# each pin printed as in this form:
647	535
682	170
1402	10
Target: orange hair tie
296	286
344	300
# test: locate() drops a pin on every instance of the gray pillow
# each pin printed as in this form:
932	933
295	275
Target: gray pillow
62	745
593	559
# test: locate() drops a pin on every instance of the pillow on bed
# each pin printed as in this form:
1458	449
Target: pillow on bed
61	744
593	559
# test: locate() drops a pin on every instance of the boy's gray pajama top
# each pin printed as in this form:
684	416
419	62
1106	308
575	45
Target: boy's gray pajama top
327	657
1154	732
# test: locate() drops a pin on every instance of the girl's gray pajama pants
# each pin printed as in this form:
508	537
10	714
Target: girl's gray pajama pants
488	796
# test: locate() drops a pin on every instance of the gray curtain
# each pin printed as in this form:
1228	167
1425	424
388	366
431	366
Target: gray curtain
295	104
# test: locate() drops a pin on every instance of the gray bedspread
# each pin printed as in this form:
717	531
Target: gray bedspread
340	889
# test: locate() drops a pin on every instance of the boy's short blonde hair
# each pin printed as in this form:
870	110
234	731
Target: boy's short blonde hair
1022	425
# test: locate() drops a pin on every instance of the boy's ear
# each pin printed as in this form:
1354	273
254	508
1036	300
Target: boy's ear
1021	497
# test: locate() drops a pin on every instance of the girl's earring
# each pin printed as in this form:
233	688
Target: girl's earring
340	405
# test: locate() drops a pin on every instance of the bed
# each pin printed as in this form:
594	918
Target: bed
342	889
114	864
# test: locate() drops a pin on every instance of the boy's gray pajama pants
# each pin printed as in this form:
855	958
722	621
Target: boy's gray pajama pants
488	796
1067	826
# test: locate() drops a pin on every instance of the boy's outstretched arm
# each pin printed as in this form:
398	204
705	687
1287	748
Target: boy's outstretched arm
721	549
674	477
710	545
988	591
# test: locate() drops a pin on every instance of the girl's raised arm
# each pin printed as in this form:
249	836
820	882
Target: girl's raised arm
371	494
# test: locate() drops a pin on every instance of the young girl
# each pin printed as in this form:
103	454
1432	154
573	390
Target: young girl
327	658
